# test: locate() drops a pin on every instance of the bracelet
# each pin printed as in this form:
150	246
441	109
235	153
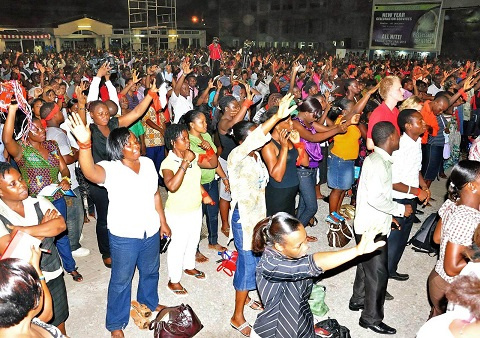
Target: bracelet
204	194
247	103
41	277
84	146
418	192
188	162
224	178
409	187
67	179
184	169
81	108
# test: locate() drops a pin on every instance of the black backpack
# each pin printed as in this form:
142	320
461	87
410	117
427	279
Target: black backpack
422	241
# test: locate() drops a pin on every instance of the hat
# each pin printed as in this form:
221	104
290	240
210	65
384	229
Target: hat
85	79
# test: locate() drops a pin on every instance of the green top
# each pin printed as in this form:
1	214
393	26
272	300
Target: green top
208	175
137	128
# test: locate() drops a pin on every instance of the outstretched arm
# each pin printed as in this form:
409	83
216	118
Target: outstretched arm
12	146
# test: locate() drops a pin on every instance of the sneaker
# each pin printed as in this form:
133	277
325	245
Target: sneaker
80	252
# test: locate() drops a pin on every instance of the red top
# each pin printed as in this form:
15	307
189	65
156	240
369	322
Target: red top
430	119
215	51
383	113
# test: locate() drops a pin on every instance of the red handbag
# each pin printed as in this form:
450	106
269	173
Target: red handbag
228	263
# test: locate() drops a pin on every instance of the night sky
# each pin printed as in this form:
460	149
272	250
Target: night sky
31	14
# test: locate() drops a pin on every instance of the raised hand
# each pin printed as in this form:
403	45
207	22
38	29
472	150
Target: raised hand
283	139
186	68
104	69
189	155
82	99
135	77
284	109
374	89
79	130
219	85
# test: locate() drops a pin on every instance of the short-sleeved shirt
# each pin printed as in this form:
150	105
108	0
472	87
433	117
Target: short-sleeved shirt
383	113
31	218
458	226
153	138
284	286
99	141
188	197
37	171
131	208
430	119
61	137
180	105
208	175
137	129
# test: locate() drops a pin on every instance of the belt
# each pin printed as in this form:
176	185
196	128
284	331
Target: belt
303	167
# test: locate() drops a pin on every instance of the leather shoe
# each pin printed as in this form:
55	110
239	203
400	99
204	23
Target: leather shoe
399	276
419	212
388	296
381	328
355	306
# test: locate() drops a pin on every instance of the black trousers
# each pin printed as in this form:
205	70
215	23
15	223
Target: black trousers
99	196
370	283
398	238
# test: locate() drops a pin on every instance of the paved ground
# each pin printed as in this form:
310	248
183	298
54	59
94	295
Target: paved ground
213	298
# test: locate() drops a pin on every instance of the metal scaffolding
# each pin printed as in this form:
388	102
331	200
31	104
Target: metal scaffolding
149	16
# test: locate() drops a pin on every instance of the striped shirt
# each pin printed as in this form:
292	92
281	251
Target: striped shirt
284	286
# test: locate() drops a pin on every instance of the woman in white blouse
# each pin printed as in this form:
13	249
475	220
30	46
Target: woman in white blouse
135	219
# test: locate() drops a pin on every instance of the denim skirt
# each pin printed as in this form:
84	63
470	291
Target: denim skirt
341	173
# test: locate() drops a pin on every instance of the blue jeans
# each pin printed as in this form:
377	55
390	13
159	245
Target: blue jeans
211	211
157	155
126	254
307	203
74	219
61	241
244	277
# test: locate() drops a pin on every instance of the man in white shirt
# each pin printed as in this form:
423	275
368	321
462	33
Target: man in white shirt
180	96
374	211
436	86
408	184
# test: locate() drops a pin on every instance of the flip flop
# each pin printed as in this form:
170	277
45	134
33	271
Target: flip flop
312	239
241	327
254	305
198	275
179	293
141	308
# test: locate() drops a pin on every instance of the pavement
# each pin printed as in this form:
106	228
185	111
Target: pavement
213	299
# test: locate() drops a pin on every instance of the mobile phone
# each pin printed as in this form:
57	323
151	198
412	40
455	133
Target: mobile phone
164	242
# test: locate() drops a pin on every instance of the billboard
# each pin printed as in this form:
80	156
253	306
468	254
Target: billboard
406	26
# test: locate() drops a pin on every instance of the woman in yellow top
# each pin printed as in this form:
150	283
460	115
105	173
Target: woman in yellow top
341	160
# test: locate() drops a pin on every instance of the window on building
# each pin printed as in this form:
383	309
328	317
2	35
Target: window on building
253	6
262	26
275	5
287	4
315	3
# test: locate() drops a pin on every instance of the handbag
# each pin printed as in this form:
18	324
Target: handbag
228	263
332	326
339	235
181	322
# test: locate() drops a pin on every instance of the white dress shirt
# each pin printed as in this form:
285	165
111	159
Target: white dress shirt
375	205
407	163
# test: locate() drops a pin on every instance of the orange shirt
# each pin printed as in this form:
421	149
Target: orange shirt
346	145
430	119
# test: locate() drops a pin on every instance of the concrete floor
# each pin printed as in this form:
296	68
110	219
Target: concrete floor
213	298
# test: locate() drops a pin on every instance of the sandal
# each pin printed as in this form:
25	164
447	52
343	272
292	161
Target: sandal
242	327
139	320
141	308
198	274
180	292
313	222
226	231
200	258
312	239
77	277
254	305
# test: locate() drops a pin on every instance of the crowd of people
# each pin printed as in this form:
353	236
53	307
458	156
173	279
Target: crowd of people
248	143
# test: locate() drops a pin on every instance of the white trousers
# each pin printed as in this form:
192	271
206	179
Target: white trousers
186	228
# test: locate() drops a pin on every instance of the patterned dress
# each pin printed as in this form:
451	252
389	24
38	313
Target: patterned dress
37	171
